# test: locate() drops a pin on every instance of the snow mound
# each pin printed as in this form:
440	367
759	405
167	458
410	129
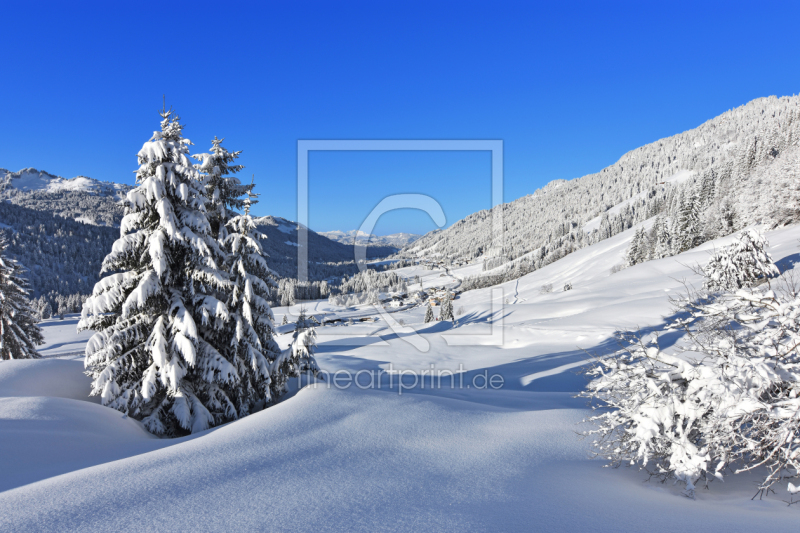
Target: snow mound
45	377
53	436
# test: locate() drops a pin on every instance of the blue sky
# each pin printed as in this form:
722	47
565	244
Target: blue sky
568	87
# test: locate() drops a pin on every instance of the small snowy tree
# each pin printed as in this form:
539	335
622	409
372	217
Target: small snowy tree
447	309
637	250
428	314
299	357
19	334
161	334
284	321
740	265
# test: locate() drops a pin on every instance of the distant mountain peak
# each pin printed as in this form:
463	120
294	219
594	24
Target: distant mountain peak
396	240
31	179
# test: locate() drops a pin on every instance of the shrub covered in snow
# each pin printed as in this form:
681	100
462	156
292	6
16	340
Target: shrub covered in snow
726	400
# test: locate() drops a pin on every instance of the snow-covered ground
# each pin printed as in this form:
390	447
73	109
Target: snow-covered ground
456	455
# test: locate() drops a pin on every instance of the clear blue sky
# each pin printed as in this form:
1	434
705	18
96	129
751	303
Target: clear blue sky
568	87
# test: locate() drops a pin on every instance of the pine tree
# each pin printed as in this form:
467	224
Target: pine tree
158	352
47	311
428	314
285	321
633	253
224	192
19	334
740	265
252	346
447	309
688	234
662	238
299	357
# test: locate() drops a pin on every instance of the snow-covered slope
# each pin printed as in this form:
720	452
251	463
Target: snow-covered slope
359	458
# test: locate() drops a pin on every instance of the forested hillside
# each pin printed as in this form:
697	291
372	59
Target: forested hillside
711	174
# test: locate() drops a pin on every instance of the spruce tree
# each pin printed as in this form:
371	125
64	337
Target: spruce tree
157	355
252	348
688	234
447	309
428	314
19	334
299	357
223	191
633	253
740	265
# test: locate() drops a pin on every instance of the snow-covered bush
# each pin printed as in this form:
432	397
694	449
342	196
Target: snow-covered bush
726	400
616	268
740	265
546	288
19	334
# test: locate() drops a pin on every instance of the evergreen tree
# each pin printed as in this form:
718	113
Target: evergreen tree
740	265
285	321
661	248
688	233
447	309
252	348
428	314
158	352
299	357
224	192
634	253
19	334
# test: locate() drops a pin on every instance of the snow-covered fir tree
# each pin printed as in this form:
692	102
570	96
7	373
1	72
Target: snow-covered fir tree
251	346
638	250
428	314
224	192
19	334
159	354
299	357
740	265
447	309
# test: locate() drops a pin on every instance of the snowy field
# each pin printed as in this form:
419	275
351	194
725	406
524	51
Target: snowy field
425	455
